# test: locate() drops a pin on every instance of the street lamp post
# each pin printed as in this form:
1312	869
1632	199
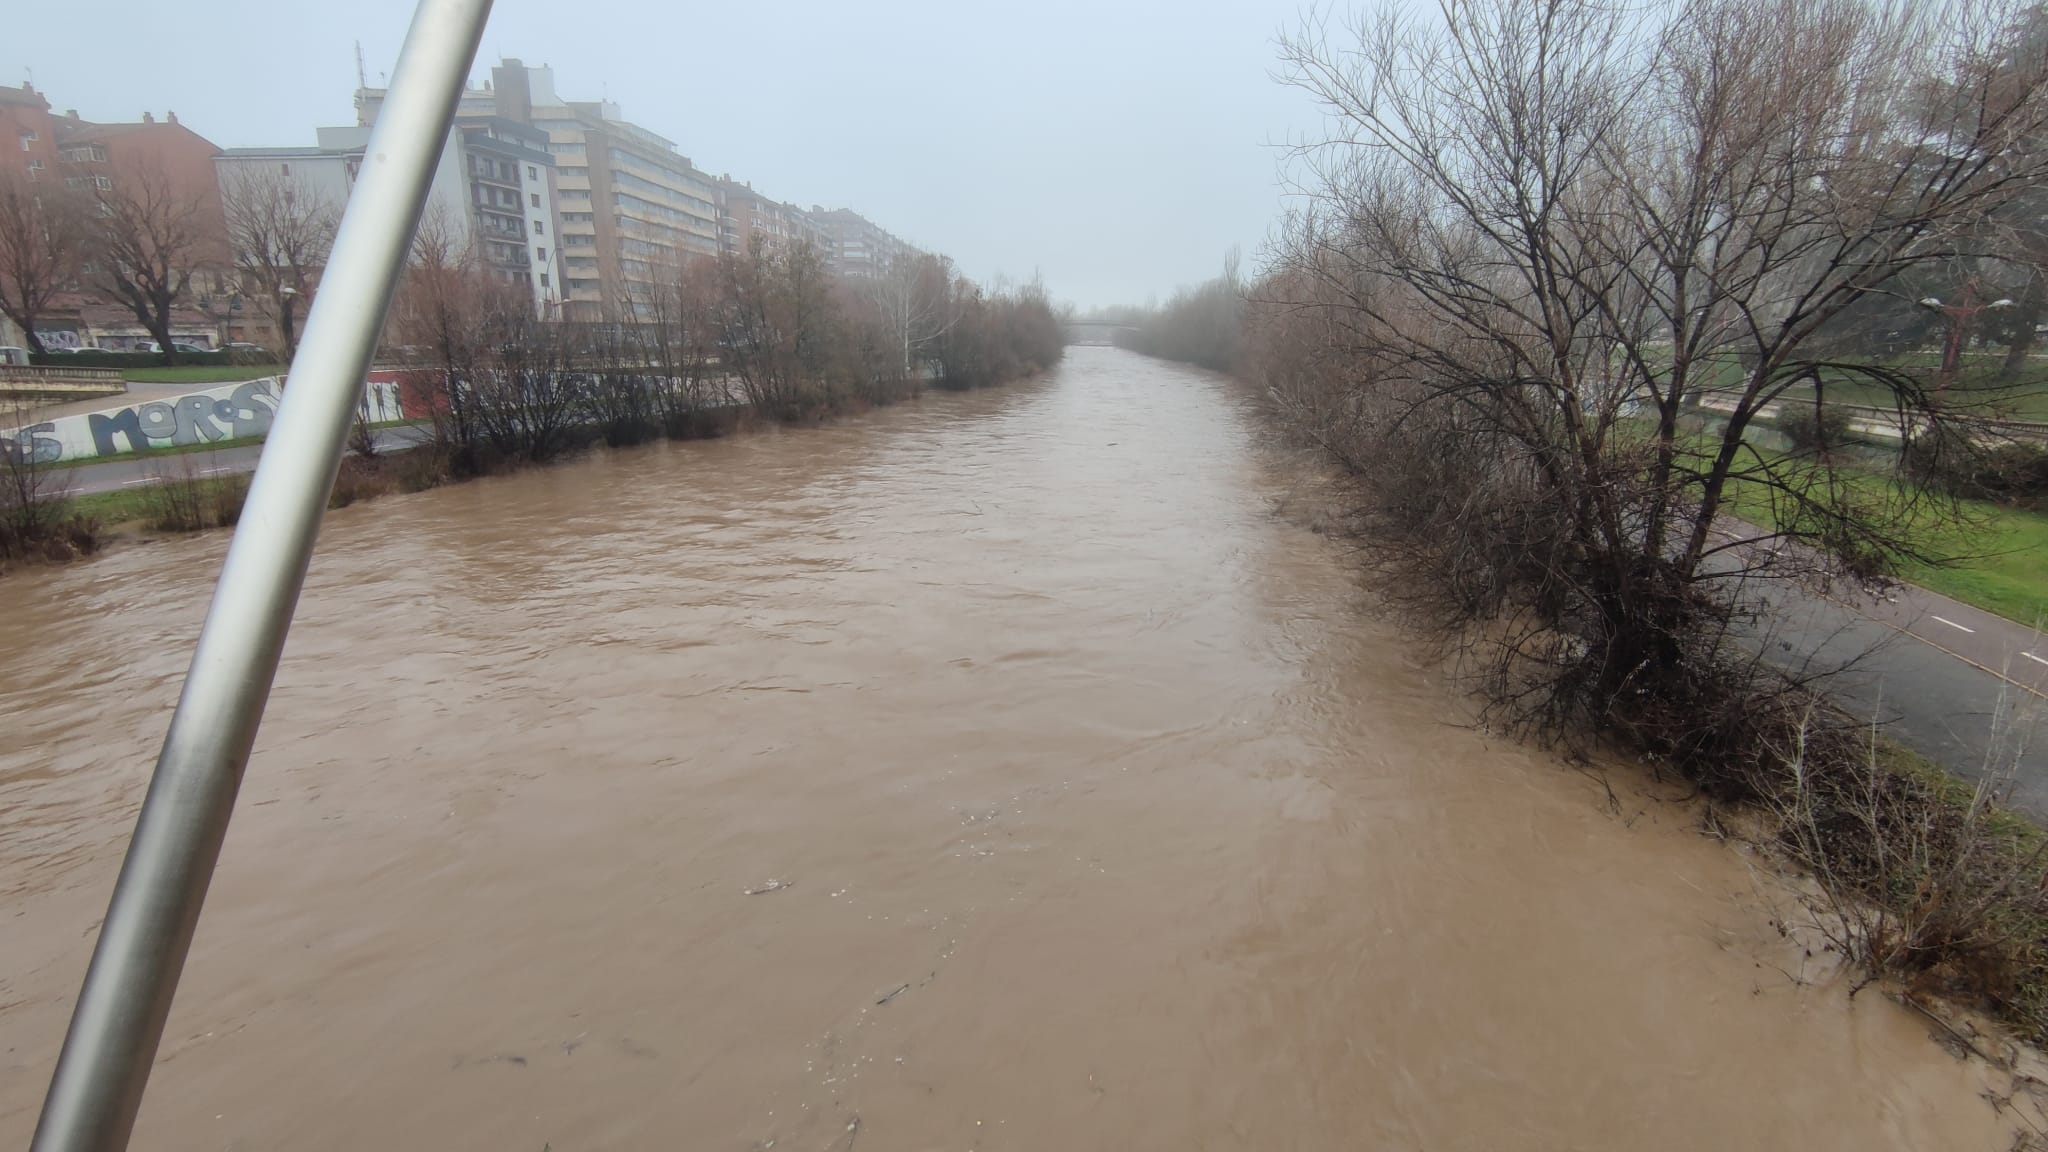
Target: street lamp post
286	330
1960	316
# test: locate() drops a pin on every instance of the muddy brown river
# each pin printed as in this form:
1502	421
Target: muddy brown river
997	772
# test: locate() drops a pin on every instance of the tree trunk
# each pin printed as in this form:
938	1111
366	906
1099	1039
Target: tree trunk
159	325
2022	343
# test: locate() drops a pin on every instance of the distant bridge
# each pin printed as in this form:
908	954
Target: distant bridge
1093	331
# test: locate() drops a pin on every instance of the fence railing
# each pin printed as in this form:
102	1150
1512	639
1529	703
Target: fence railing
18	376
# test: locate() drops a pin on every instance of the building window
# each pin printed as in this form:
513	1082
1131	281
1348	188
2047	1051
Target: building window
535	196
532	173
27	138
287	169
543	279
34	167
539	229
541	254
84	154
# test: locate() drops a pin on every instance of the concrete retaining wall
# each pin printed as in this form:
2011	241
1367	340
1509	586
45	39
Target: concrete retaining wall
202	416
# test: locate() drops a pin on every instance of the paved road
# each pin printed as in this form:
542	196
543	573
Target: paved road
1961	686
131	471
1945	676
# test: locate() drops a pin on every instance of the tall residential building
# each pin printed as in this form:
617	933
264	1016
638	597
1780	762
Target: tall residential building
747	216
328	167
28	133
28	147
630	204
493	193
104	160
856	247
512	197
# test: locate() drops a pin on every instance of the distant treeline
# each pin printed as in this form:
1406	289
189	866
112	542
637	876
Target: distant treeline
769	332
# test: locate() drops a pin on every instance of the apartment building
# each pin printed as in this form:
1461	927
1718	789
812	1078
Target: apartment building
747	217
166	159
493	192
512	197
28	133
630	205
326	170
856	247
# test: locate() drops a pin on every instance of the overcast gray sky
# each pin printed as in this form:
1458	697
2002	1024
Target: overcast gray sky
1117	148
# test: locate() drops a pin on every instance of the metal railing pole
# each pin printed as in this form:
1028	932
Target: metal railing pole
120	1014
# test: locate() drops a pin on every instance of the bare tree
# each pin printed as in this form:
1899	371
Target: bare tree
776	327
678	341
434	321
40	227
1541	236
914	294
146	242
280	230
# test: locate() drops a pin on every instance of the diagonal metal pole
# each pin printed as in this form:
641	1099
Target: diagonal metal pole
120	1014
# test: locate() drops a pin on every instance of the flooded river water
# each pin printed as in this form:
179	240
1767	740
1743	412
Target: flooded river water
998	772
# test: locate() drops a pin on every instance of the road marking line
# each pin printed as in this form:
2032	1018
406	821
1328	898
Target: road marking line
2034	658
1950	623
1930	642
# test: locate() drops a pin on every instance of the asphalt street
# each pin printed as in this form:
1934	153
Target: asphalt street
1959	685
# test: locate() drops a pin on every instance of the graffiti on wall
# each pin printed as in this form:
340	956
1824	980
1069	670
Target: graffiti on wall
207	416
31	445
187	420
54	339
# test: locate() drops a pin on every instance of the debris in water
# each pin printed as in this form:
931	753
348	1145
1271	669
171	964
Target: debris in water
900	990
771	886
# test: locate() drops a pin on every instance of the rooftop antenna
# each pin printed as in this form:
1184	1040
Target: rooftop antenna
362	76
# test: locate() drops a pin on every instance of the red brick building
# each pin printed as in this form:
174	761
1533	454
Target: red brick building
28	132
100	159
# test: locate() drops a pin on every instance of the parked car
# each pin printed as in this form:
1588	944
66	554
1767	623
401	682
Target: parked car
11	355
176	346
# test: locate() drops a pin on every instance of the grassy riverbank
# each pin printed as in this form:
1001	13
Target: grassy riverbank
2003	566
1995	555
183	500
201	373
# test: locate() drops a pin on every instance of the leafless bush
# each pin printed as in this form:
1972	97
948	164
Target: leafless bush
769	330
997	337
1203	325
184	497
36	520
1539	238
1920	877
